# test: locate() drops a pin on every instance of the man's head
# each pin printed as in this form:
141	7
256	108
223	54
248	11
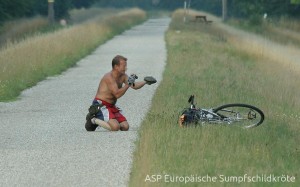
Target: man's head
117	59
119	63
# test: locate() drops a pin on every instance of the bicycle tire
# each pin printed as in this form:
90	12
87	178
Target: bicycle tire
247	115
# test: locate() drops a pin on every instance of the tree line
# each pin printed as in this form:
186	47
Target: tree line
10	9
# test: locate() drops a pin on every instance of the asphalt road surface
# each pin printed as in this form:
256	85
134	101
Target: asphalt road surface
43	141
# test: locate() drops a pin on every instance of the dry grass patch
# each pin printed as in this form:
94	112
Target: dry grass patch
13	31
24	64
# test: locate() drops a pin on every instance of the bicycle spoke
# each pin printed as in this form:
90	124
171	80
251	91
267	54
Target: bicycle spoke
241	114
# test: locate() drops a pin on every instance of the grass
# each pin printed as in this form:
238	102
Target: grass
25	63
283	30
17	30
14	31
202	60
81	15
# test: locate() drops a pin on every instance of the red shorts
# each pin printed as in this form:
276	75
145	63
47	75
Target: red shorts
109	111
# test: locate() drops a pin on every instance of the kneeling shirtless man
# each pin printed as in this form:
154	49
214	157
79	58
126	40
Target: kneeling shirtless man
112	86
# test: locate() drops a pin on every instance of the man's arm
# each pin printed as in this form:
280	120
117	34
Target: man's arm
138	85
135	85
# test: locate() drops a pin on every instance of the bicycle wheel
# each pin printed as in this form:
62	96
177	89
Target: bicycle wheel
241	114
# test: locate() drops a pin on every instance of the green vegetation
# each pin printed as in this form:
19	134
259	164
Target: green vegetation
18	30
78	16
12	9
203	61
25	63
283	30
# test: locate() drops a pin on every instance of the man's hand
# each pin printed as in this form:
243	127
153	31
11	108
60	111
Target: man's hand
150	80
131	79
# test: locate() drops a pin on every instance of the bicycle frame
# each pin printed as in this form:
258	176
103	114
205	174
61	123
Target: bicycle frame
204	115
208	116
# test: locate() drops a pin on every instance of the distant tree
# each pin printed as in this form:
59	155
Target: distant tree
40	7
213	6
10	9
82	3
15	8
296	2
61	8
277	8
295	8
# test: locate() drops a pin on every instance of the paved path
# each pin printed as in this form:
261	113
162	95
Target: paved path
43	141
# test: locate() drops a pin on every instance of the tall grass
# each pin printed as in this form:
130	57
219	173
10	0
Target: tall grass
16	30
82	15
24	64
203	61
283	30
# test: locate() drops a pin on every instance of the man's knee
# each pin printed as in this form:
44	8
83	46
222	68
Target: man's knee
124	126
114	125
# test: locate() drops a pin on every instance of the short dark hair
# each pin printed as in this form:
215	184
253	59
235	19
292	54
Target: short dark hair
116	60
